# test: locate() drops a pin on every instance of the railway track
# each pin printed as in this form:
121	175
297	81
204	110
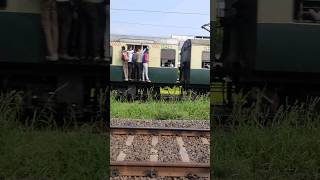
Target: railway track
159	153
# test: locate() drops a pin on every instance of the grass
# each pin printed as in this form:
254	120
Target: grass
197	107
285	145
31	152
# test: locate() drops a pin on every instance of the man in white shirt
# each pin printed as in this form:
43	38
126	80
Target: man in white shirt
50	26
130	64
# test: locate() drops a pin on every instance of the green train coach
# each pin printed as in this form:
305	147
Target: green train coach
270	45
64	85
167	56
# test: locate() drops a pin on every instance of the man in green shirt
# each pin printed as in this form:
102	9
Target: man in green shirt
138	65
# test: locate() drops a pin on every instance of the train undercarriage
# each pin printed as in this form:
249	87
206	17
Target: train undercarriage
66	90
131	91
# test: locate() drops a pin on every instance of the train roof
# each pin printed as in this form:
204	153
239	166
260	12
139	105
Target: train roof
143	39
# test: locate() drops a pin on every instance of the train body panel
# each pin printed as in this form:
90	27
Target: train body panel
270	45
284	42
266	36
200	76
161	52
295	50
22	6
195	57
22	37
274	11
200	57
24	67
158	75
156	47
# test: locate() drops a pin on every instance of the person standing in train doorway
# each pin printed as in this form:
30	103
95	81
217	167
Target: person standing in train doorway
134	60
138	65
145	62
130	64
49	22
65	14
124	58
74	35
90	29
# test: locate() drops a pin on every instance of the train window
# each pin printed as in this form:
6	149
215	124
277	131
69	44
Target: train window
135	47
220	8
307	11
3	4
205	59
168	57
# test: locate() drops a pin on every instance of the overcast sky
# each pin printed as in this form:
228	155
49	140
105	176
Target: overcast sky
159	17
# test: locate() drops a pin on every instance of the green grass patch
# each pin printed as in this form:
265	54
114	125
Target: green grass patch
189	108
251	153
262	145
49	152
53	155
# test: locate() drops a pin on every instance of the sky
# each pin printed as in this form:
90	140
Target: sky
160	18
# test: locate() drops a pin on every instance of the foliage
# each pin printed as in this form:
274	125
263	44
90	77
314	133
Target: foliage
191	106
29	151
259	144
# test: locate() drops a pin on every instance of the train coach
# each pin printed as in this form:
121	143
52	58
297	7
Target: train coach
173	62
164	55
268	44
61	85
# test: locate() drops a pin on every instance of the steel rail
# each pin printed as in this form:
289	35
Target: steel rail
159	169
125	130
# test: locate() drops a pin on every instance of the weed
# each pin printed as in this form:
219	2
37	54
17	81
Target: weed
265	145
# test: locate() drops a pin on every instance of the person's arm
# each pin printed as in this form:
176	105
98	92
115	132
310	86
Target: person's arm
315	15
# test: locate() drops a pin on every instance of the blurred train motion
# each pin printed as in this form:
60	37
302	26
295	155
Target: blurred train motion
267	45
61	85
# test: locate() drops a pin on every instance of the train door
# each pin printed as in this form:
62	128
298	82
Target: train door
185	62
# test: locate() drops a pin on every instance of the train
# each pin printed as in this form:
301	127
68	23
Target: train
84	86
174	62
267	45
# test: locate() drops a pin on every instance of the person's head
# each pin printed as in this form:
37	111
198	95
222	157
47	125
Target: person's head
130	48
123	48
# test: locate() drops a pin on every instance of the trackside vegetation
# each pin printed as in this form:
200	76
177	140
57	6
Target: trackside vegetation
190	107
257	143
35	148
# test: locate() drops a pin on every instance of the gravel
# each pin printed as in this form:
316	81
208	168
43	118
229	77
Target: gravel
200	124
197	151
140	149
117	144
168	149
